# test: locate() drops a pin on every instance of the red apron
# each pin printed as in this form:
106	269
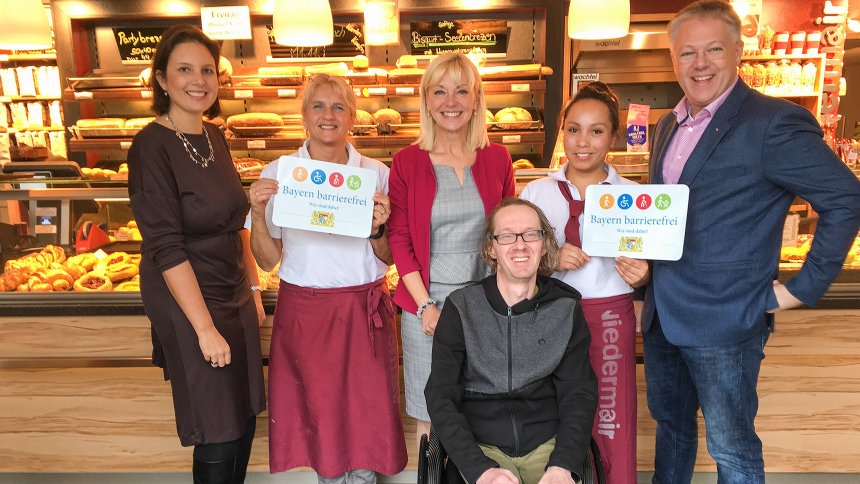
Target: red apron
334	396
612	322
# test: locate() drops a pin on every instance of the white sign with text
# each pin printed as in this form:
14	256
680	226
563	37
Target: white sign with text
324	197
637	221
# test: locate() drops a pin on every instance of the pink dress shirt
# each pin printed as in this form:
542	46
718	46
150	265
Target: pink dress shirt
688	134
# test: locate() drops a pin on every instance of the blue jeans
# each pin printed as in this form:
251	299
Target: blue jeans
722	381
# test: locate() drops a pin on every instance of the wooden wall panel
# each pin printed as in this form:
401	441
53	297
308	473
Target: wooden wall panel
121	419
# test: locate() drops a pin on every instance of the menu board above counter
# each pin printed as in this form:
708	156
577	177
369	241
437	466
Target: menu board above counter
348	42
440	36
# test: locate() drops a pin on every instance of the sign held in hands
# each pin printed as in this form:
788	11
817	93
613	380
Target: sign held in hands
324	197
636	221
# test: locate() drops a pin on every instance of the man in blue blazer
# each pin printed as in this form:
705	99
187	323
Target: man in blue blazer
707	316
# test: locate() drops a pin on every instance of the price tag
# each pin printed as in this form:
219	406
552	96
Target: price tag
377	91
357	91
256	144
511	139
789	230
520	87
147	94
4	57
243	93
5	99
100	254
83	95
405	91
287	93
124	145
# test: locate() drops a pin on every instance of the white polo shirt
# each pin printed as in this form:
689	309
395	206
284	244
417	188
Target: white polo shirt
597	278
318	260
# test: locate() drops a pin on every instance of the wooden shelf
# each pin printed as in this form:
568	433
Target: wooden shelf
15	99
523	86
27	57
391	141
780	57
108	94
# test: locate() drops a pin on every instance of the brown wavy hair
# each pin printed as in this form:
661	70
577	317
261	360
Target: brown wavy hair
548	261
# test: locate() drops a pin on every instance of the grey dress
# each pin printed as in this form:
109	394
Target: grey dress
456	224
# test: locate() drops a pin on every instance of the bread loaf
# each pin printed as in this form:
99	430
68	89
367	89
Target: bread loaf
145	77
510	116
384	119
225	70
363	121
490	118
405	76
406	62
281	76
333	69
101	123
137	123
360	63
254	120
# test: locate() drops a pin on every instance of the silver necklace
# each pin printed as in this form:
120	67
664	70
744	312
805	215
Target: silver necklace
190	149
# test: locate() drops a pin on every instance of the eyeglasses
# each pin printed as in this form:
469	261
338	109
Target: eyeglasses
508	239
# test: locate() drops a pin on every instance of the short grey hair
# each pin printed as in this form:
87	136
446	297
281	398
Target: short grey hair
716	9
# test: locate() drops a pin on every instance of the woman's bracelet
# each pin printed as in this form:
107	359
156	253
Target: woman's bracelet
426	304
379	233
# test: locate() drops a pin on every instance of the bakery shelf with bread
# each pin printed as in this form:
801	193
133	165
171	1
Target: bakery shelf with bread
799	78
255	90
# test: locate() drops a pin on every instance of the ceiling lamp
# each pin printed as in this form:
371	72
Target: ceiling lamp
381	22
24	25
592	19
302	23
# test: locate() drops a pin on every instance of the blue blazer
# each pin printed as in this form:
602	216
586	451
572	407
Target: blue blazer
758	153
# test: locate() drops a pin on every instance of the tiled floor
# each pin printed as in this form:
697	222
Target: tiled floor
407	477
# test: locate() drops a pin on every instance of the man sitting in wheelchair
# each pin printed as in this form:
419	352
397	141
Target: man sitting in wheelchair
511	393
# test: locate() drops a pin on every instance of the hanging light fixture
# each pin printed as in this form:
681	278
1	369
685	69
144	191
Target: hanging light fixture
604	19
302	23
24	25
381	22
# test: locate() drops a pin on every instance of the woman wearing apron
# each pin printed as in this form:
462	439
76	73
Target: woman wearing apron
334	397
590	122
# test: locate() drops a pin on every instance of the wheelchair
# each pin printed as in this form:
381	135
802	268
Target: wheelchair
435	468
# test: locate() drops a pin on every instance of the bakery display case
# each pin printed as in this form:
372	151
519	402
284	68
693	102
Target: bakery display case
31	117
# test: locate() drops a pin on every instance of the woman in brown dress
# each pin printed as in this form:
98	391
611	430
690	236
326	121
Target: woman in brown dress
196	270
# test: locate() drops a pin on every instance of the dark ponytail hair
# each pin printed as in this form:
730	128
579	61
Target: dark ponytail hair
598	91
179	34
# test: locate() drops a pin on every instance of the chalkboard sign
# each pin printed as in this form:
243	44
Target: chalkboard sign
137	44
348	42
440	36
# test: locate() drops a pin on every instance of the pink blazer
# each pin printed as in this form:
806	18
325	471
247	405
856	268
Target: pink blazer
412	188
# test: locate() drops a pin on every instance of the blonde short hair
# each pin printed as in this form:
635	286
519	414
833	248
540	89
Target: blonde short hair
337	84
462	71
716	9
